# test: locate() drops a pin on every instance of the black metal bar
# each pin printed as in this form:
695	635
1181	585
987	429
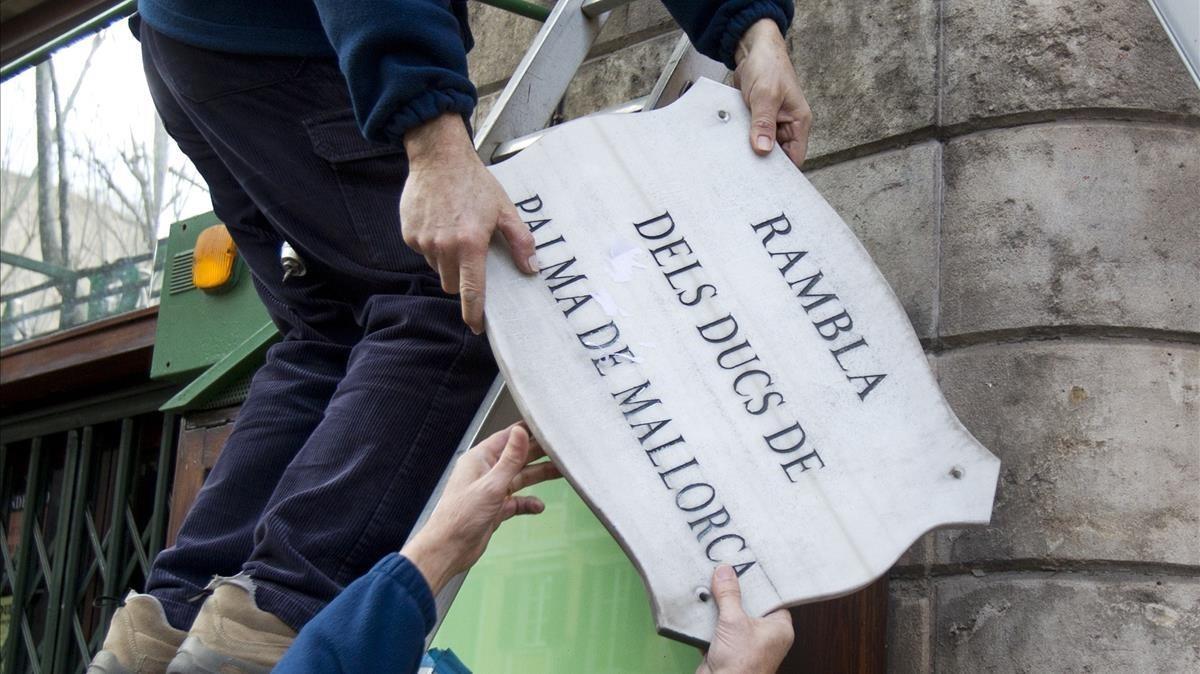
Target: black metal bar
58	418
92	25
116	523
55	579
17	624
162	484
68	621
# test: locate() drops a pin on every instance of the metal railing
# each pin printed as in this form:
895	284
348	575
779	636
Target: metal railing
115	287
83	511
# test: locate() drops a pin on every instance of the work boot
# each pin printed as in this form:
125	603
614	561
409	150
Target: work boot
139	639
232	635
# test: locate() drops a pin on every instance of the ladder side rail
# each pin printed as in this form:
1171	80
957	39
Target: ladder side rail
541	78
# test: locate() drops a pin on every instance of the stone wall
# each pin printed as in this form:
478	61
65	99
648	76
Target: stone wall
1027	176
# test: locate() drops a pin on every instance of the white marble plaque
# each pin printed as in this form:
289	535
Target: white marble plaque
718	366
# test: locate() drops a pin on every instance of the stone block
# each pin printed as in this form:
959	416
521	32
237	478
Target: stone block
618	77
634	22
501	39
868	69
1098	447
1080	223
890	201
909	623
1033	55
1067	623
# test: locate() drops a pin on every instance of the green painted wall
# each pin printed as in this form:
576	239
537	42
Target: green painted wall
554	593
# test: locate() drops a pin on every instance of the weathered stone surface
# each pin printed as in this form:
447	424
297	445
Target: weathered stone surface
909	623
1098	443
1031	55
634	22
501	39
859	95
1067	623
618	77
868	69
1072	224
889	200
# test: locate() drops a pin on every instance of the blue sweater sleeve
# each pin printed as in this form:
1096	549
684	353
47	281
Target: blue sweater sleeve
377	624
715	26
405	61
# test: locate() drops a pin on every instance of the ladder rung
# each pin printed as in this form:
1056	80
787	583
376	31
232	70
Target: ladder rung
530	10
509	148
594	8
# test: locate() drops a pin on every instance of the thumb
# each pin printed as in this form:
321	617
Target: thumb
764	110
512	459
727	593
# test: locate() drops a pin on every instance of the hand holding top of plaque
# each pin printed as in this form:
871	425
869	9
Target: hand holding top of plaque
778	109
451	204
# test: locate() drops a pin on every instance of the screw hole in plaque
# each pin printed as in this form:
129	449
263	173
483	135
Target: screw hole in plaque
703	594
957	472
723	115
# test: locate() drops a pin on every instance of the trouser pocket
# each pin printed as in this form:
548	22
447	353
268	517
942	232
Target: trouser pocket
370	177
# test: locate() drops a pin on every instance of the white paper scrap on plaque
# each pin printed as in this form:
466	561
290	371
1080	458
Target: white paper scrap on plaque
717	365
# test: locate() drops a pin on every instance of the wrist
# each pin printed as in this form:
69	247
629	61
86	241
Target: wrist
763	31
440	139
433	563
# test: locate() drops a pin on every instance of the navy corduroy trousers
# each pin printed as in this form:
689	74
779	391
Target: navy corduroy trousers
356	412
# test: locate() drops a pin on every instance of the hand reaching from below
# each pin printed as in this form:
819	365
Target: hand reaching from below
741	644
479	496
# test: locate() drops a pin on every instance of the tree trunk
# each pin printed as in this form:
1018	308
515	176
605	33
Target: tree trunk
67	313
48	229
158	181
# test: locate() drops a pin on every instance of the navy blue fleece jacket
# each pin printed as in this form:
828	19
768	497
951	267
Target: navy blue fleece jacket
377	624
405	60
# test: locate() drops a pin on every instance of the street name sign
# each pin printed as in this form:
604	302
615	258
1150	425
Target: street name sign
717	365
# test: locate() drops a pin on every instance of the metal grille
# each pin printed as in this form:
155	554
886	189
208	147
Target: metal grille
180	278
234	394
84	510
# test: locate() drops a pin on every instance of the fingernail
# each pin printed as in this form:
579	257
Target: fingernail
533	264
763	143
725	572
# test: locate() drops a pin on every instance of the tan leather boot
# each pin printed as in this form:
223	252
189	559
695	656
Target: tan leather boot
139	639
232	635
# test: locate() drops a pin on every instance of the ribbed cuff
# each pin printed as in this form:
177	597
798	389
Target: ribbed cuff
406	573
425	107
730	24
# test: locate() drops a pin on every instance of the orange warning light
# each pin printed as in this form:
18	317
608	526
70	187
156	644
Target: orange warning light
213	258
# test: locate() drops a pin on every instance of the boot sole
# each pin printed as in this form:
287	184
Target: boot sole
196	658
107	663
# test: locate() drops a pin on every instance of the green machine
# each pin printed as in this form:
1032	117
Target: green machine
554	593
211	340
